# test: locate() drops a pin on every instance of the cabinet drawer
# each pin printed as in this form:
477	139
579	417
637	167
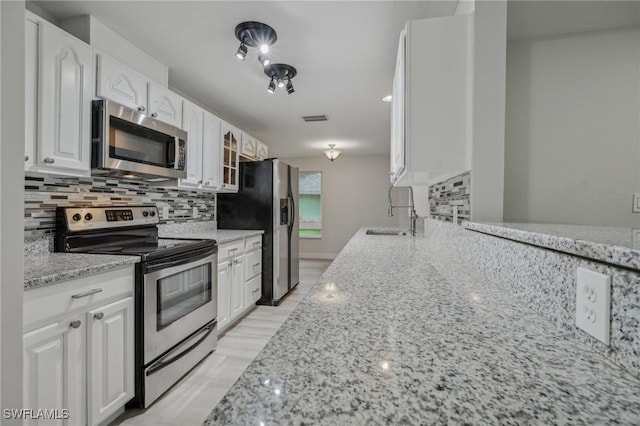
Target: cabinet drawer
253	291
253	264
55	300
254	243
233	248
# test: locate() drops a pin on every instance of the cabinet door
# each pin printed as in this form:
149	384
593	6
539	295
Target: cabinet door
230	147
249	147
165	105
263	151
121	84
64	135
397	115
237	287
109	359
54	366
211	151
31	92
192	123
224	294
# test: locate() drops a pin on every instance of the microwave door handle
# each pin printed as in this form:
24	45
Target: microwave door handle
176	163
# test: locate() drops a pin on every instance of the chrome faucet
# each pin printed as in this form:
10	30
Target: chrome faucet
411	208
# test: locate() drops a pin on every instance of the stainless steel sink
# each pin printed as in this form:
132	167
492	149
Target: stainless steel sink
385	232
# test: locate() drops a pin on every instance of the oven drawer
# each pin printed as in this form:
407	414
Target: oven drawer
78	294
254	243
231	249
253	264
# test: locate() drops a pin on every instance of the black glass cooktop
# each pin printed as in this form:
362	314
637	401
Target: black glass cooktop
149	249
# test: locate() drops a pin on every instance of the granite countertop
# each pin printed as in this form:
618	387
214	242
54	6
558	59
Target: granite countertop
221	235
400	330
614	245
50	268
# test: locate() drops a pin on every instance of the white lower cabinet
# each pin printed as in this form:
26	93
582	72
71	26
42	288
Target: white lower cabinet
110	376
78	348
237	283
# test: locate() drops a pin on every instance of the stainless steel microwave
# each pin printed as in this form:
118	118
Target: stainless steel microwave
127	143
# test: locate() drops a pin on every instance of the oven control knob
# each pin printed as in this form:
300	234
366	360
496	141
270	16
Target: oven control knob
145	213
76	217
152	213
88	216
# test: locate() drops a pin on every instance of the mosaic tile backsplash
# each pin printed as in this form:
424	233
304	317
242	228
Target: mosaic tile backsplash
451	194
44	193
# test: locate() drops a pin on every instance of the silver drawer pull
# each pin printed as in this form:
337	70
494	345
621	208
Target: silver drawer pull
233	250
75	324
256	243
154	114
255	291
88	293
99	315
256	264
141	108
49	160
26	158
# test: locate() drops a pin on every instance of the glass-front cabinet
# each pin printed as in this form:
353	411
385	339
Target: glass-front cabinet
231	139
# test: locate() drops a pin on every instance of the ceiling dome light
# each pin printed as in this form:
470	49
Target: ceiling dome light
254	34
272	86
279	73
264	60
332	153
242	51
290	87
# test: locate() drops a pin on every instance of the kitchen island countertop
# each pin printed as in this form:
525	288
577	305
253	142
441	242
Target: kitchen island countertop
400	330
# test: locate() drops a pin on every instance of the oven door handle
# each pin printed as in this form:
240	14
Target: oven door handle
192	256
162	363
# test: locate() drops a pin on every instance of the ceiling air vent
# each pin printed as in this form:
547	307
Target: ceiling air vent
309	118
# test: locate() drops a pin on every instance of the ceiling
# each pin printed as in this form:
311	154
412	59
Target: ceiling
344	52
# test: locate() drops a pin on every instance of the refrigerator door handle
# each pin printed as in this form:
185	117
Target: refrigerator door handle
292	214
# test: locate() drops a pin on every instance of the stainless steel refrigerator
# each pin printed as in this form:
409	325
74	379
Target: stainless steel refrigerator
268	199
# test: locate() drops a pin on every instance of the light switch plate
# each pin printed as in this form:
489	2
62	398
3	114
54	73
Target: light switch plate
593	303
636	203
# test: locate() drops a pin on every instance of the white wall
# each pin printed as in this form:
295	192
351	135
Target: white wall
11	202
572	150
354	194
488	105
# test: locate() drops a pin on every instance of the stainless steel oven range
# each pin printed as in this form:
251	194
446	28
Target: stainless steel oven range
176	288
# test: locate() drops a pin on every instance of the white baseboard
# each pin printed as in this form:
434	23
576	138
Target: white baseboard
310	255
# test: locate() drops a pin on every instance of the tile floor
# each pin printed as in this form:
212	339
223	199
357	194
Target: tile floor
191	400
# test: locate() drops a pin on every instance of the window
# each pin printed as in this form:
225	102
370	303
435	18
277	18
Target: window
310	205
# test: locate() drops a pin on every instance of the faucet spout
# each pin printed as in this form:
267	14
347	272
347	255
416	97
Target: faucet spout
411	207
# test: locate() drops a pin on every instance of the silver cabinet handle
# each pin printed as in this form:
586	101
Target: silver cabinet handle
206	184
230	263
141	108
26	158
88	293
75	324
49	160
224	185
257	243
99	315
199	182
256	264
154	114
233	250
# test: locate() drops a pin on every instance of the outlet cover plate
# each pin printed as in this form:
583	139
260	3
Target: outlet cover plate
593	303
636	203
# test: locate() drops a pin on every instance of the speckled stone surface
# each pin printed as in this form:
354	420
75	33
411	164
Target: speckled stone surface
402	330
187	227
46	269
220	235
38	245
545	280
618	246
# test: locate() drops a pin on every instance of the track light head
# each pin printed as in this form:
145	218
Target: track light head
264	48
281	83
290	89
264	60
242	51
272	86
280	75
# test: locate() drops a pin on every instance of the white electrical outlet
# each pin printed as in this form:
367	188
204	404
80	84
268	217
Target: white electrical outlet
165	212
593	303
195	212
636	203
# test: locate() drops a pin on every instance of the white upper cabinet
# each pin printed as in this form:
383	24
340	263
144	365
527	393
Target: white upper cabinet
58	94
262	151
192	123
164	105
249	146
230	144
431	97
211	152
127	87
121	84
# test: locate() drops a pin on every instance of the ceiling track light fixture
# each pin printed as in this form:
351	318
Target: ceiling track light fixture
257	35
280	73
332	153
